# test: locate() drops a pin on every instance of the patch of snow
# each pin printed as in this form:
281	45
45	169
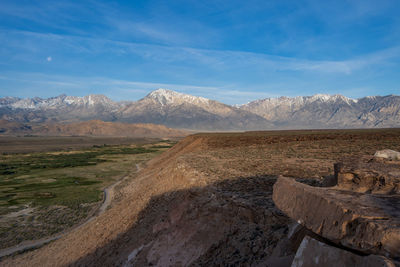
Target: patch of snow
90	101
321	97
165	97
298	100
24	104
70	100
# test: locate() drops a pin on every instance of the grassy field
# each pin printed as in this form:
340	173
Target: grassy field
43	193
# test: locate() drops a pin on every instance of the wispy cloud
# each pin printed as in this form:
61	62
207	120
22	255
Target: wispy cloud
158	34
213	59
100	19
52	15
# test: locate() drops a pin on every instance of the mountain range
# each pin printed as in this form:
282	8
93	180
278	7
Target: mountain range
184	111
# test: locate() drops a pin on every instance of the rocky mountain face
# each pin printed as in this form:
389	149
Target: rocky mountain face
328	111
184	111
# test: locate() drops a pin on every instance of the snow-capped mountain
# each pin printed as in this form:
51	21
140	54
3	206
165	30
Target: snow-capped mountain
328	111
190	112
169	97
185	111
161	106
60	108
37	103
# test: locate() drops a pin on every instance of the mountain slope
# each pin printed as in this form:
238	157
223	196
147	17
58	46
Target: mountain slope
185	111
60	108
333	111
11	127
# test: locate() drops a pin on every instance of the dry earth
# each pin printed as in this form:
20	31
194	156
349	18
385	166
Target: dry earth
207	201
33	144
91	128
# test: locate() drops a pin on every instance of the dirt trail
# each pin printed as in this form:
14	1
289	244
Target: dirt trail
109	192
33	244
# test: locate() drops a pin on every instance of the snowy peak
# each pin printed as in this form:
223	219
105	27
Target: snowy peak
301	100
330	98
169	97
57	102
89	100
321	110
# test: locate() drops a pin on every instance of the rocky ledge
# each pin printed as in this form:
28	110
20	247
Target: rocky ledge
354	223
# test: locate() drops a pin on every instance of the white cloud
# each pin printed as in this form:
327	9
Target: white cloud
49	59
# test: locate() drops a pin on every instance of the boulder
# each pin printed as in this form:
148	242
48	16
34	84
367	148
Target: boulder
283	253
388	154
367	223
313	253
367	175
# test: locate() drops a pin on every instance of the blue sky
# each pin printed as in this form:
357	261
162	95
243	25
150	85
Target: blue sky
231	51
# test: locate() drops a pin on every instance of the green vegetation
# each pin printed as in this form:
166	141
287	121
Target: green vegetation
161	146
59	179
66	191
14	165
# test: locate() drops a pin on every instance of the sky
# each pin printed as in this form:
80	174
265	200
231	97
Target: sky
227	50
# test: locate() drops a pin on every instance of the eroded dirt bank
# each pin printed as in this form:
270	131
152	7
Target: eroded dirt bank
207	201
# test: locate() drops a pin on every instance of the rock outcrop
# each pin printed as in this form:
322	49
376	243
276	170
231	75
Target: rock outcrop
315	253
359	215
369	175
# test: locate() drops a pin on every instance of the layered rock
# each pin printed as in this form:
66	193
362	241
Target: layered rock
364	222
360	214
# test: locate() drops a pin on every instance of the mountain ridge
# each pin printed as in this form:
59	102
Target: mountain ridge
178	110
329	110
